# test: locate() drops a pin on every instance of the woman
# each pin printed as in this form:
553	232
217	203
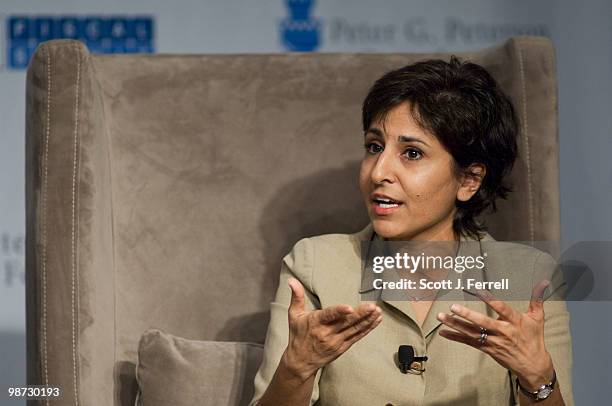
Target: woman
440	137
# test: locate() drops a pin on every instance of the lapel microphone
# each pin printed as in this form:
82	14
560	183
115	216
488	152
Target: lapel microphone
407	360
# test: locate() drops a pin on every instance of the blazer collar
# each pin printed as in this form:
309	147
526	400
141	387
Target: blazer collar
467	247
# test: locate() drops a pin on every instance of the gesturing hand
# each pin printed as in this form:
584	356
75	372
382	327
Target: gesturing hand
515	340
318	337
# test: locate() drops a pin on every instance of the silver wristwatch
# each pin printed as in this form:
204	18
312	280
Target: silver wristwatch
543	391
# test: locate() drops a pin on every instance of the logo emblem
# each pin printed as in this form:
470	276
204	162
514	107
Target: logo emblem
300	32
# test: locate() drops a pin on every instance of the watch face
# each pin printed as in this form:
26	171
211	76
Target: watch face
544	393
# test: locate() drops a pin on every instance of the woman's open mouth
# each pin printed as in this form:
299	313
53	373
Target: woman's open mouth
383	206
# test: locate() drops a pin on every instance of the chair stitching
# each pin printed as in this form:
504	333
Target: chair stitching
527	151
44	219
74	227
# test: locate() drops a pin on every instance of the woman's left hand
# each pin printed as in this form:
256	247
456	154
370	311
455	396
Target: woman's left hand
515	340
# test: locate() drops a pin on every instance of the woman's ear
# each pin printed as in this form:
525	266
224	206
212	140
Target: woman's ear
471	180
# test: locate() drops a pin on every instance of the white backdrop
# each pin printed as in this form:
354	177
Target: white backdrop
582	34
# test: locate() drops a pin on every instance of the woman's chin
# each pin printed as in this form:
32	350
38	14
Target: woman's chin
387	229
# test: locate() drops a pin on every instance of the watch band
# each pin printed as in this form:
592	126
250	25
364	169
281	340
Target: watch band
542	392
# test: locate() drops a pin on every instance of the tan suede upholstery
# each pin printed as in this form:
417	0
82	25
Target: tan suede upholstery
162	191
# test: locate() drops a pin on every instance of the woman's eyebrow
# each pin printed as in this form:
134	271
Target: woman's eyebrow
407	138
401	138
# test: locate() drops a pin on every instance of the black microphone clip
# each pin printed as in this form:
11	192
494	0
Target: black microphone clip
408	361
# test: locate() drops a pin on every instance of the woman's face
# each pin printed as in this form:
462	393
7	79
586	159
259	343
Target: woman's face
404	163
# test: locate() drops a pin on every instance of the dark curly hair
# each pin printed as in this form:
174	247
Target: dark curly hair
460	103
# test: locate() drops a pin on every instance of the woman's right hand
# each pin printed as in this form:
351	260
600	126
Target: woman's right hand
320	336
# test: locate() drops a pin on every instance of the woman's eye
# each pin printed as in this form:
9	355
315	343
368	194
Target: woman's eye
373	148
413	153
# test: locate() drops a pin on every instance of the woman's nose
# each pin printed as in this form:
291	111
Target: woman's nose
383	169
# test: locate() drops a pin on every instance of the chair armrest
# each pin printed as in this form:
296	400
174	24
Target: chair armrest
69	252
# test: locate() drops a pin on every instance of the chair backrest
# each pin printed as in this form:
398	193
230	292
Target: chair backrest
163	190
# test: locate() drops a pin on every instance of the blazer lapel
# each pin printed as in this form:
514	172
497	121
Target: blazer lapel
468	247
370	246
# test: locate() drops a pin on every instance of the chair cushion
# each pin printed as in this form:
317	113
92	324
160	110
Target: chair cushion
176	371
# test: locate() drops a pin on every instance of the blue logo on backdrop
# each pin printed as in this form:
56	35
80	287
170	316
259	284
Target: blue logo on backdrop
105	35
299	31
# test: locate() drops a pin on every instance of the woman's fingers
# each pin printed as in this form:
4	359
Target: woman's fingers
536	305
355	316
358	314
334	313
462	326
466	339
360	325
475	317
329	332
296	307
505	311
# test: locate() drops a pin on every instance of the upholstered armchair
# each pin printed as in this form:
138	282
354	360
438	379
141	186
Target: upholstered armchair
163	190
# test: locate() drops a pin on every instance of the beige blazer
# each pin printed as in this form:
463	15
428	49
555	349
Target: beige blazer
329	267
